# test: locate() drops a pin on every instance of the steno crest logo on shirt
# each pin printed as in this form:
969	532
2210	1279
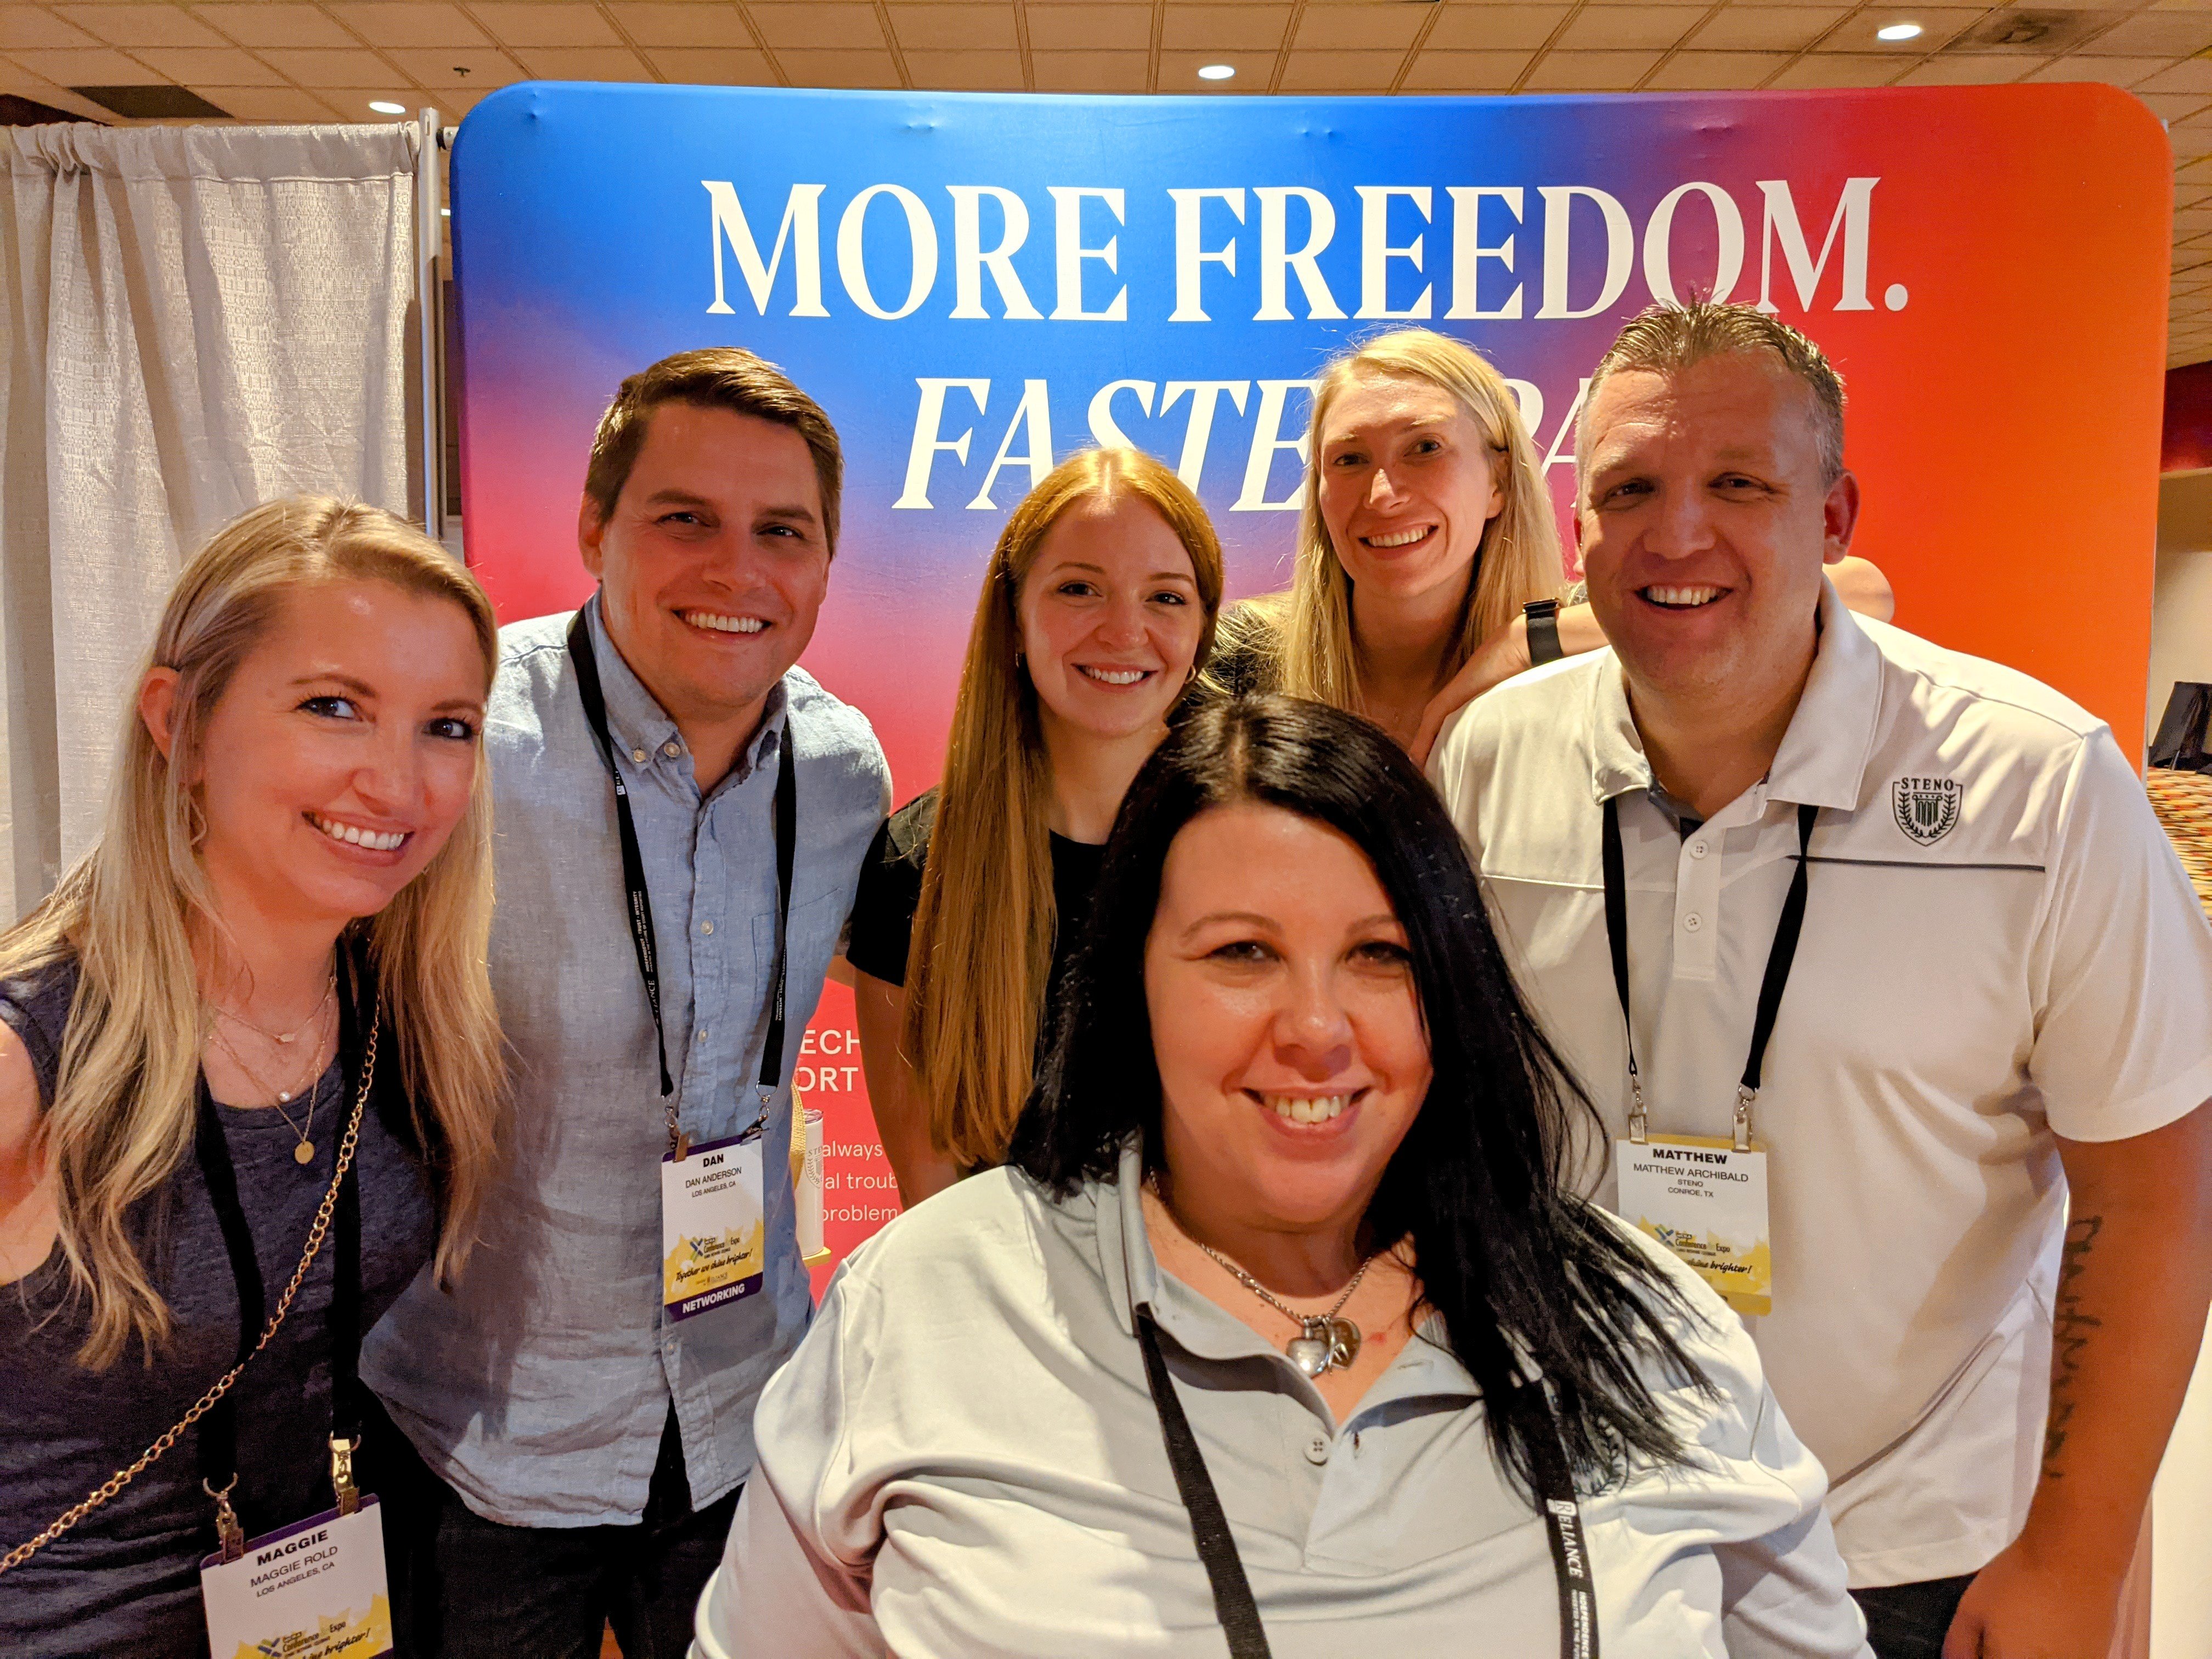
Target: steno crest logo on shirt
1927	808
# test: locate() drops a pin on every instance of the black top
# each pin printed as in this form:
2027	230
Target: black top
890	893
126	1579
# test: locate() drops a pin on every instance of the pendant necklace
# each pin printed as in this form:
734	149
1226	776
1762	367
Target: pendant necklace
314	1016
304	1152
1325	1342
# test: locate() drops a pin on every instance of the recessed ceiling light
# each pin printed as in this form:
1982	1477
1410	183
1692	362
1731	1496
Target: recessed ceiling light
444	213
1898	32
1216	71
386	106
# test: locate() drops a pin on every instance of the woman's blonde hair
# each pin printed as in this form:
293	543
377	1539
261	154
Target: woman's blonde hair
1517	559
121	1120
982	952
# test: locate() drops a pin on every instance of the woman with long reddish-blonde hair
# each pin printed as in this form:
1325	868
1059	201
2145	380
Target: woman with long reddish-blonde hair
1098	609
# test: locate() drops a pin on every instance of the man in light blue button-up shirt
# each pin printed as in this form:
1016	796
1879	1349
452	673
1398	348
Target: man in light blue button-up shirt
582	1451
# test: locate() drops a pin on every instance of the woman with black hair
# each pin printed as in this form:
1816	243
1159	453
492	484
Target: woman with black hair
1285	1328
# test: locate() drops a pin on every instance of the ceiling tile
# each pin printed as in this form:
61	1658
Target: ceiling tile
1465	71
1619	28
2179	5
1694	71
967	71
2191	75
478	67
974	28
2119	71
843	26
1255	29
1494	28
683	23
1340	71
209	66
1179	70
409	23
2172	35
274	24
271	104
1838	69
583	64
1588	71
84	66
1063	28
1357	28
2175	105
1969	69
1089	71
142	26
561	24
2194	173
1764	28
2191	222
329	67
714	66
822	67
26	26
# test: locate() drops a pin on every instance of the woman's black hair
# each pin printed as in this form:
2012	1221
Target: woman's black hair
1526	1275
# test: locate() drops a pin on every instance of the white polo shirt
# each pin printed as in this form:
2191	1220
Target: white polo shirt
1999	946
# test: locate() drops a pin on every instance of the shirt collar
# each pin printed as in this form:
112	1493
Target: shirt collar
642	729
1824	754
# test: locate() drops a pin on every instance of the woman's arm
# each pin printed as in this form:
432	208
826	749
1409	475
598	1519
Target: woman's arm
895	1093
1862	587
28	1217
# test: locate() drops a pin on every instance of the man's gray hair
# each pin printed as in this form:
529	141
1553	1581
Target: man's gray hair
1669	338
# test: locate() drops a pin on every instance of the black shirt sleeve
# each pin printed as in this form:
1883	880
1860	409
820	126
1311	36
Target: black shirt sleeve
882	929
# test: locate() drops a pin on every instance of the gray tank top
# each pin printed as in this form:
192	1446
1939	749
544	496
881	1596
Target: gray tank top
125	1580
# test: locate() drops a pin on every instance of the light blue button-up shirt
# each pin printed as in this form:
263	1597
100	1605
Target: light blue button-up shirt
539	1384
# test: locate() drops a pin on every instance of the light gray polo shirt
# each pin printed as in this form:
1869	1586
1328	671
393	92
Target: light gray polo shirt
539	1387
962	1459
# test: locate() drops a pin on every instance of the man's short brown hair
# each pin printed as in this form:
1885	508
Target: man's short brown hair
717	377
1669	338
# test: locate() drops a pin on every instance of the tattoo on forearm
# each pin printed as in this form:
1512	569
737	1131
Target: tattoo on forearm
2070	1330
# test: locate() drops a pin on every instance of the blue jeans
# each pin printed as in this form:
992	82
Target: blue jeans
1909	1621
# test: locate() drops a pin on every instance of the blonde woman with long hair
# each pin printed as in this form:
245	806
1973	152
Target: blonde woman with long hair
1428	558
272	959
1096	612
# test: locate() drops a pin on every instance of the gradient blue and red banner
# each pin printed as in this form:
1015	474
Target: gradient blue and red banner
974	286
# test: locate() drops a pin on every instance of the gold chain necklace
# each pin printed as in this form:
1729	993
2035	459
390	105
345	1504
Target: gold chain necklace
303	1153
314	1015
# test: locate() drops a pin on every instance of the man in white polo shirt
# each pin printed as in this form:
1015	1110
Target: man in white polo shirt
2000	992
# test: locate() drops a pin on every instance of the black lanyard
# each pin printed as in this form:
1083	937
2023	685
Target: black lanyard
639	908
1779	956
218	1429
1224	1569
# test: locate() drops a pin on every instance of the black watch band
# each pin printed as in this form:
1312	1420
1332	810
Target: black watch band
1543	622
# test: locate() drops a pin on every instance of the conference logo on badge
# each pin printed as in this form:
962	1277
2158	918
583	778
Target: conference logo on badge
1927	808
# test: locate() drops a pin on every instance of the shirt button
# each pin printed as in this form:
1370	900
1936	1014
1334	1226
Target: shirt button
671	749
706	926
1317	1450
701	1038
1697	849
1692	922
637	757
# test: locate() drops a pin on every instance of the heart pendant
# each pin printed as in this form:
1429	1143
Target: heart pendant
1310	1354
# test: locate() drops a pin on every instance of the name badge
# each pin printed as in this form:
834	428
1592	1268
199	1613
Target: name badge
713	1225
1706	1202
313	1590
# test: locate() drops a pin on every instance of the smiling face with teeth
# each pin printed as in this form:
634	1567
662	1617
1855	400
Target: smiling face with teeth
1285	1022
340	755
1109	617
1408	483
1704	521
712	565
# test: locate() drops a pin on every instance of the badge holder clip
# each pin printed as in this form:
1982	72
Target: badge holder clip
231	1536
1740	1124
342	1451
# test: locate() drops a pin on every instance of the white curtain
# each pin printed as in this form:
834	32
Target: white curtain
196	319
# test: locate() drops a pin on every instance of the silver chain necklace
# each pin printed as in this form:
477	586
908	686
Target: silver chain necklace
1325	1342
